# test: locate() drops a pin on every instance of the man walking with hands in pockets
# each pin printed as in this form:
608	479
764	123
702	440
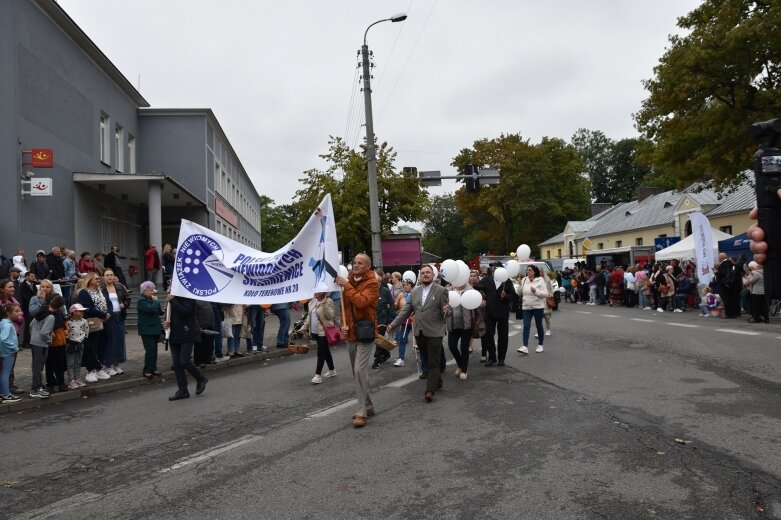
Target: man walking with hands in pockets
429	303
361	292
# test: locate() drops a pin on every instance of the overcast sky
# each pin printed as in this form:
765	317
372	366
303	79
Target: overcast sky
281	76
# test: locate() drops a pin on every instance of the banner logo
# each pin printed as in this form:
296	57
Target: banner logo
199	266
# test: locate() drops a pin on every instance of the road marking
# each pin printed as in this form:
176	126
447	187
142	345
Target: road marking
210	454
683	325
331	409
644	320
610	316
402	382
744	332
583	312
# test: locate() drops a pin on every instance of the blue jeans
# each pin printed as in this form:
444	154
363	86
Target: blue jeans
257	320
8	365
116	350
402	336
527	321
234	343
283	313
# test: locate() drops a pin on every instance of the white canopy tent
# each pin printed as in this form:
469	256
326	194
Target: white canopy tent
685	248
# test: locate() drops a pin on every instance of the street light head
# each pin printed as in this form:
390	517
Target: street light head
398	17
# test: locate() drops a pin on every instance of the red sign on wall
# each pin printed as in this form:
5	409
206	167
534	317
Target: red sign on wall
224	211
42	158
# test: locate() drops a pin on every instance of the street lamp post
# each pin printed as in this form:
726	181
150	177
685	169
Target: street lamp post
371	160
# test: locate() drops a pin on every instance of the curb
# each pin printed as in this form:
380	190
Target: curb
94	389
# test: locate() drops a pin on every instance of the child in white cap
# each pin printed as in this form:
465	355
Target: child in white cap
78	330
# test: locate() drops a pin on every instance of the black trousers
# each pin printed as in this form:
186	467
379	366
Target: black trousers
323	354
759	310
432	347
55	367
182	356
492	325
461	355
203	350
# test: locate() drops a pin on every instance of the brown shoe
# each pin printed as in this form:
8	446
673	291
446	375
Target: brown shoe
359	421
429	396
369	413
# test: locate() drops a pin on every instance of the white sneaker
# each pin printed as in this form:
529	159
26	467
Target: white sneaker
536	335
462	376
458	372
659	310
317	379
264	348
118	370
523	350
678	310
110	371
547	333
330	373
102	374
92	377
539	348
399	363
254	348
222	359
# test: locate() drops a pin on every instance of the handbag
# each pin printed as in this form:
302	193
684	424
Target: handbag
226	329
550	302
478	324
334	335
364	329
95	324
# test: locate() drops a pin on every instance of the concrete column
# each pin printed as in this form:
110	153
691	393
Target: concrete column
154	199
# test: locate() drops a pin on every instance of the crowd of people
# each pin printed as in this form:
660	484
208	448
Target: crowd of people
736	287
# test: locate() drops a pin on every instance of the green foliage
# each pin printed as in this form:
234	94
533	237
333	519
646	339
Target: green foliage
278	224
709	87
444	229
614	168
541	188
400	197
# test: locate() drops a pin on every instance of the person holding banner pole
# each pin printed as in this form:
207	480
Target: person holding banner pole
181	324
359	299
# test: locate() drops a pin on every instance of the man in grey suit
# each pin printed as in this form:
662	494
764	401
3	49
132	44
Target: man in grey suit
429	303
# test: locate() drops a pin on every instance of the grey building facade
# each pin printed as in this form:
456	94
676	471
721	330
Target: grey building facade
123	173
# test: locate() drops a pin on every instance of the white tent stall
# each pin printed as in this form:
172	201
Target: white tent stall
685	248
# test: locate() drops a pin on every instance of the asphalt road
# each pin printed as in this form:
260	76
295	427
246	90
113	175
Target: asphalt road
586	429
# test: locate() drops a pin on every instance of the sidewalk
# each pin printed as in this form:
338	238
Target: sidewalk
133	368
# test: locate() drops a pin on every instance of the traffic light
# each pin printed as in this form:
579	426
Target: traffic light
472	181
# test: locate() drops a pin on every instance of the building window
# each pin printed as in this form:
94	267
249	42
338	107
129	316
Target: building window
105	139
726	229
638	241
131	154
119	143
600	245
559	254
618	243
547	255
663	236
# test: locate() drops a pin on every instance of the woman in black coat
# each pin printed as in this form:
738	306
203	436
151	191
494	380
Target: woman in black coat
181	340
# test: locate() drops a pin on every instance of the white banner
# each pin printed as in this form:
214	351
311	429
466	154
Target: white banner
214	268
703	246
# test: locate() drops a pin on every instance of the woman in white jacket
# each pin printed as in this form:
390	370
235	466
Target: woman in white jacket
533	292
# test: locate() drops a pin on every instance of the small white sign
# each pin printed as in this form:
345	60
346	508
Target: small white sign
40	187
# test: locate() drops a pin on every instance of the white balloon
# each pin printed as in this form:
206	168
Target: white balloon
501	274
409	275
523	252
436	271
513	268
449	270
471	299
463	274
454	299
343	271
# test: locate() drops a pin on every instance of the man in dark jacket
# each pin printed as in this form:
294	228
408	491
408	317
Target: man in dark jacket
182	338
497	297
727	285
40	268
55	262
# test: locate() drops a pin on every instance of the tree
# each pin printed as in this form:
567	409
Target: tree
709	86
613	168
540	189
400	197
444	228
278	224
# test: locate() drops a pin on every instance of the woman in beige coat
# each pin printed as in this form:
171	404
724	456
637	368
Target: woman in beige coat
320	315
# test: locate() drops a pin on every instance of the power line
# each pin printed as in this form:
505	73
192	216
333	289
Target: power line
414	46
352	100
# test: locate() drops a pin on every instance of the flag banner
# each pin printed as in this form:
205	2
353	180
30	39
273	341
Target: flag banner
214	268
703	246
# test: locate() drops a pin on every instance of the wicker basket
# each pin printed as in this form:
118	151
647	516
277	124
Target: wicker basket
384	342
298	348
